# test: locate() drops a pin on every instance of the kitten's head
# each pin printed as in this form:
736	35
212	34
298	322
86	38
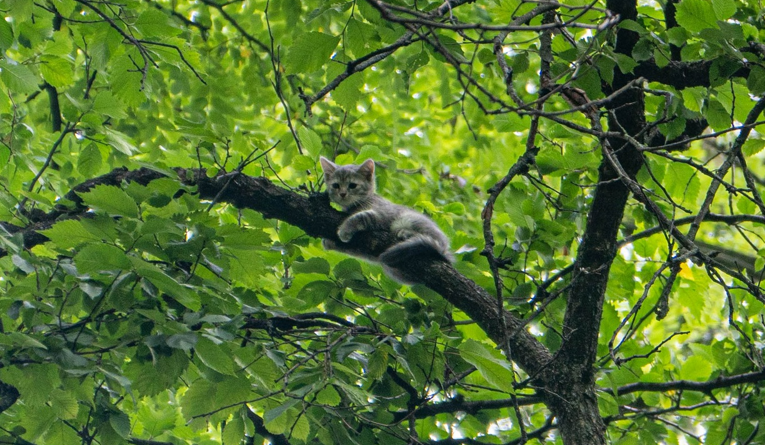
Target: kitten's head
349	185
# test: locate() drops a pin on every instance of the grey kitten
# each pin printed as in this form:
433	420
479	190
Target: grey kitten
353	188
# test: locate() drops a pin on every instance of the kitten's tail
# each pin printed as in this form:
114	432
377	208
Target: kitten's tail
416	246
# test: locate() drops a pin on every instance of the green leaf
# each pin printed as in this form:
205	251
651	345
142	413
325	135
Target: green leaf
57	71
23	340
309	52
378	363
120	141
316	292
70	233
245	266
456	208
328	396
626	64
752	146
348	269
154	23
199	399
65	7
696	368
360	38
6	35
125	81
719	118
244	239
61	45
167	284
494	369
100	257
311	141
291	10
633	26
120	422
507	123
64	404
233	433
695	15
105	103
271	415
113	200
452	47
419	60
89	161
38	424
756	80
302	428
61	434
213	356
348	92
724	9
312	265
18	78
693	98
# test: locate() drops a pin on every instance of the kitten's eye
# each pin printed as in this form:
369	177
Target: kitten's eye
335	186
352	185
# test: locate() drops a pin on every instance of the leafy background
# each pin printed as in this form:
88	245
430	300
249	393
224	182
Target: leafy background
157	317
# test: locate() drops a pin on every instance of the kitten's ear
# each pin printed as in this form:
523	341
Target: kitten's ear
328	166
367	168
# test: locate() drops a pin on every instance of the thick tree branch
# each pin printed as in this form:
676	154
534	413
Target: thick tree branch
681	74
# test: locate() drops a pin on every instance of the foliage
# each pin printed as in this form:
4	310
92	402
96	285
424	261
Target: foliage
150	311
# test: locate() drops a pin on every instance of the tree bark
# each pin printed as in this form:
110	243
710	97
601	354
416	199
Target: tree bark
570	381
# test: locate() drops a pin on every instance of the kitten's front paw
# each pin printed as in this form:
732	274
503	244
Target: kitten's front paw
344	234
405	234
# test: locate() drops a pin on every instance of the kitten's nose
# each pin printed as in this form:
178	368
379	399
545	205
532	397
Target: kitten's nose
342	195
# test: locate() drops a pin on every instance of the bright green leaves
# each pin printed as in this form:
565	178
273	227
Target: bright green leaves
71	233
89	161
112	200
57	71
310	52
166	284
724	9
154	23
126	80
18	77
213	356
360	38
6	35
492	366
752	146
756	80
311	141
718	117
312	265
696	15
316	292
100	257
696	368
199	399
105	103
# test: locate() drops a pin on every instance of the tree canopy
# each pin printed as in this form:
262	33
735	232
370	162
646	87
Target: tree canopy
598	167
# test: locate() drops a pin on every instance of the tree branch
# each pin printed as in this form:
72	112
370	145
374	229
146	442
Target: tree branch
686	385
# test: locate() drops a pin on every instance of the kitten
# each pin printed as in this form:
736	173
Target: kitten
353	188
